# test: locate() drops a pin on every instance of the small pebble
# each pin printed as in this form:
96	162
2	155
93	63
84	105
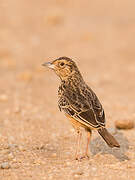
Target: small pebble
68	163
124	124
17	110
5	165
21	148
76	175
10	156
3	97
94	169
54	154
11	146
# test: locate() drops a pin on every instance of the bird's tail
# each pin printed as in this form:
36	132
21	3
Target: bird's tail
109	139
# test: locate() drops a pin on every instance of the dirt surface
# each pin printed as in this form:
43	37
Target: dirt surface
36	141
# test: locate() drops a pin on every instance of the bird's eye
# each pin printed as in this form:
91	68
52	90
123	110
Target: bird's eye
62	64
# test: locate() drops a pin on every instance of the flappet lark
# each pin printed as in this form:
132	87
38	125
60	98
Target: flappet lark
79	103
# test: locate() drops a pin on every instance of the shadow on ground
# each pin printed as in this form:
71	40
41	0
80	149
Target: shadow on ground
99	146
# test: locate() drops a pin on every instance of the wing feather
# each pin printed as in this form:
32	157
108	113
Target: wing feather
84	107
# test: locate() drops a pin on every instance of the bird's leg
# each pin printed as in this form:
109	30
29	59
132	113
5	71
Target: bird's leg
86	155
88	142
79	135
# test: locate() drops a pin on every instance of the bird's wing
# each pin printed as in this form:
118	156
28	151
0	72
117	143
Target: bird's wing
97	107
81	109
99	111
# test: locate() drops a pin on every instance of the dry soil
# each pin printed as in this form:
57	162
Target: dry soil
36	141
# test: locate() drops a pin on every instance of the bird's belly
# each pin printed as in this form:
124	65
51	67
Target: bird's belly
77	125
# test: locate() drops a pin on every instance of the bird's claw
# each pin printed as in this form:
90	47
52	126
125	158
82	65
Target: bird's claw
79	158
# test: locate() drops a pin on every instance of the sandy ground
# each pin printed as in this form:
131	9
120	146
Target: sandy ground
36	141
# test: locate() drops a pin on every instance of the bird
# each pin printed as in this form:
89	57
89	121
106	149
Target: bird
79	103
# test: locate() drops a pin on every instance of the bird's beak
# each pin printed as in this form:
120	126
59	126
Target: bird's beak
49	64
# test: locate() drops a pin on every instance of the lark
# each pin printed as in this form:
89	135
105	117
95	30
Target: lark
79	103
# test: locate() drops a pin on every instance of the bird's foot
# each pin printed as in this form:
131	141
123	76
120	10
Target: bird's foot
85	156
79	158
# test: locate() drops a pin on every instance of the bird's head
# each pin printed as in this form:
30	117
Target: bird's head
63	66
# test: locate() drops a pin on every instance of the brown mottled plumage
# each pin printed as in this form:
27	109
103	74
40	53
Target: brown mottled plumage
79	103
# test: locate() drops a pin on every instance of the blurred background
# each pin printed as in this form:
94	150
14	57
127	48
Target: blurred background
98	35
